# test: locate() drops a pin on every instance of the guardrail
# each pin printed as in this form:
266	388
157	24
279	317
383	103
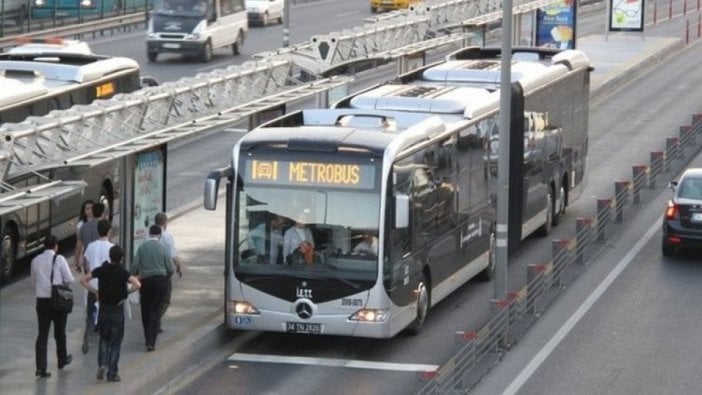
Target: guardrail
94	26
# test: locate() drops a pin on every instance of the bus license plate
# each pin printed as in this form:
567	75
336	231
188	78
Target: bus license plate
171	45
303	327
697	217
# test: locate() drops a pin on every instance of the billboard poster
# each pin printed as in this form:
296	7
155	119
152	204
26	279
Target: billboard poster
555	25
149	193
626	15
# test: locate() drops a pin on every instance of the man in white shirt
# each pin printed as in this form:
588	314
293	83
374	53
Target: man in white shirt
97	253
43	265
367	246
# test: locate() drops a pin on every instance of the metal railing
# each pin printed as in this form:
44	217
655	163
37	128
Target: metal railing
481	349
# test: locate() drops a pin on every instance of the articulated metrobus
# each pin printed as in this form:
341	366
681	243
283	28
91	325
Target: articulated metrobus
34	80
355	220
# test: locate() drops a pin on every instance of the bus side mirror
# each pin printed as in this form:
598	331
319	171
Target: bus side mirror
212	187
401	211
673	185
210	197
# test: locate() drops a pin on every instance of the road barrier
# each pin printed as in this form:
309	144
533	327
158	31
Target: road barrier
479	350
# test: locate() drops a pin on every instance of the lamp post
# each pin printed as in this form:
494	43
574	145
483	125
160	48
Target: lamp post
501	250
286	23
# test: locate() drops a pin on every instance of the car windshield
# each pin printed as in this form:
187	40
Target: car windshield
308	233
192	8
690	188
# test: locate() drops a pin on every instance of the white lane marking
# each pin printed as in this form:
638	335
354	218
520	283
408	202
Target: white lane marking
333	362
541	356
347	13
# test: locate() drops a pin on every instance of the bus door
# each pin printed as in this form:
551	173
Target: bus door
401	267
429	202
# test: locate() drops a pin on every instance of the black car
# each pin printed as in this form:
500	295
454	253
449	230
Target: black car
682	221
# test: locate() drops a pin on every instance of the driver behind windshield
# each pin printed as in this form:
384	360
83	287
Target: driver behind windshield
298	243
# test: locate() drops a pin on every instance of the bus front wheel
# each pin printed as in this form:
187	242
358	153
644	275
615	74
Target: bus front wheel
422	307
152	56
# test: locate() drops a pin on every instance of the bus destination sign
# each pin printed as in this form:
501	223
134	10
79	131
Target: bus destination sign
300	173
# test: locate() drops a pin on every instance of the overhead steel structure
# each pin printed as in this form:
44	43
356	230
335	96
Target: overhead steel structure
109	129
389	33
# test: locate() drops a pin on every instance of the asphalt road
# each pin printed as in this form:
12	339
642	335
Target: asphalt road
625	126
631	340
630	112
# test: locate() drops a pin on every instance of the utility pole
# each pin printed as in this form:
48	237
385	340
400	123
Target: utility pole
286	23
503	152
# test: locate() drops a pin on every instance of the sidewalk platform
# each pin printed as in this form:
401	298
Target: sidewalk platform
193	326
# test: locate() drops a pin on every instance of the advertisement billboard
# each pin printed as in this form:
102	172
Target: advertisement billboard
626	15
149	192
555	25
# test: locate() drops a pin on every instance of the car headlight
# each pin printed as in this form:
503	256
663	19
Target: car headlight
39	3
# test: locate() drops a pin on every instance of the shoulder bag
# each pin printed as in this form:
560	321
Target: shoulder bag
61	294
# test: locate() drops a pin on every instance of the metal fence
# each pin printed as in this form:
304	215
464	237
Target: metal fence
480	350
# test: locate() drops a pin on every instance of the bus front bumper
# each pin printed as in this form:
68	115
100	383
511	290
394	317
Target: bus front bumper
338	325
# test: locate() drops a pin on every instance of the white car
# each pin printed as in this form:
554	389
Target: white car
51	45
261	12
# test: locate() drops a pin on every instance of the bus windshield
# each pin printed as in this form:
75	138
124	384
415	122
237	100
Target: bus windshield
308	233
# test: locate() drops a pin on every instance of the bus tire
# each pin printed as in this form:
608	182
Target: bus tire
489	272
545	229
206	54
8	253
152	56
559	209
423	303
239	44
374	10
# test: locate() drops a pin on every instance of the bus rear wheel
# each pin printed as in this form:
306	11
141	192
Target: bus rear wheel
489	272
545	229
8	248
422	308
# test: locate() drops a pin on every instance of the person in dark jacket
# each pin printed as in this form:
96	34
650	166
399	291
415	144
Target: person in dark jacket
112	285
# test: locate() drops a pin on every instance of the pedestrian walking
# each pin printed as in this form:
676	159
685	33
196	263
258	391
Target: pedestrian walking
86	213
111	292
47	269
97	253
152	264
161	219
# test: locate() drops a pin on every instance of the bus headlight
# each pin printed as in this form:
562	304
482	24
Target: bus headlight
370	315
239	307
39	3
87	3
